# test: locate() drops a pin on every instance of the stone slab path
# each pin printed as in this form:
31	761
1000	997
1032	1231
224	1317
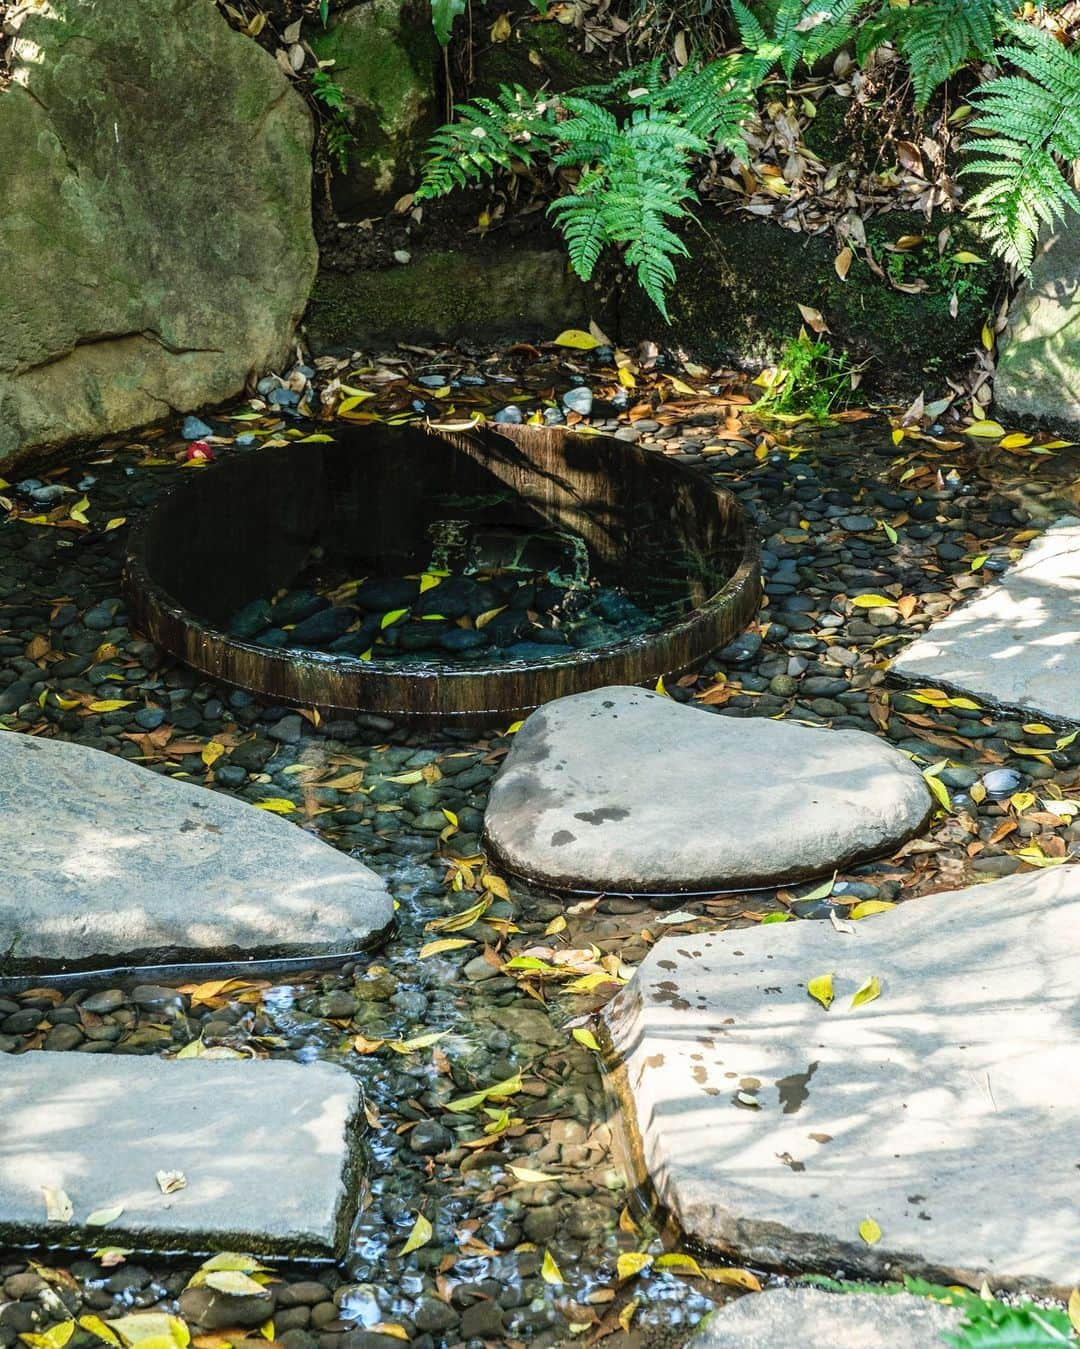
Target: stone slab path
106	862
1017	644
623	789
947	1109
784	1318
264	1147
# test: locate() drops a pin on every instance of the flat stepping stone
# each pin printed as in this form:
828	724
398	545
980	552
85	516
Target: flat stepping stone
947	1109
1017	643
623	789
783	1318
108	863
264	1147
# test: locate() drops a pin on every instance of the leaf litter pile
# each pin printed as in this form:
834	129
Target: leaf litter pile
496	1207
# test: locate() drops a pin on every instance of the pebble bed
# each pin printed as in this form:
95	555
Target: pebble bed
843	513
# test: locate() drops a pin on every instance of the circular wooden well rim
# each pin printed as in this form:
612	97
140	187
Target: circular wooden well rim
451	693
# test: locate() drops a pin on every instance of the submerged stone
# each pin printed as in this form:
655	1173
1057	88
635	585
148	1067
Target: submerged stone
772	1127
110	862
623	789
781	1318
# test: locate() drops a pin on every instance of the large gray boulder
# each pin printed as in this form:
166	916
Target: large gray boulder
782	1318
1016	644
1038	373
624	789
266	1149
155	227
108	863
946	1108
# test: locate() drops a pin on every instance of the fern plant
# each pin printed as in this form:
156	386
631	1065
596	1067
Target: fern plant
935	37
633	165
1029	131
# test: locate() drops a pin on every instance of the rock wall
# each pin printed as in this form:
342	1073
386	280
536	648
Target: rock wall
1038	372
155	217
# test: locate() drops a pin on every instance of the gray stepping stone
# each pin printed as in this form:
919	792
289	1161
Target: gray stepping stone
947	1109
264	1147
624	789
107	863
1017	643
783	1318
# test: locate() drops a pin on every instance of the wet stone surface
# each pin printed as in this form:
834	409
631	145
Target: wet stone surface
361	784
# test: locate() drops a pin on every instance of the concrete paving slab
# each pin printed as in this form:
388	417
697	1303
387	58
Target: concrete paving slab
106	862
623	789
783	1318
1017	643
265	1147
947	1109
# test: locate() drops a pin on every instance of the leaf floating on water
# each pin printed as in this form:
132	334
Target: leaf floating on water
391	617
418	1042
986	429
631	1263
626	1316
53	1338
680	1262
420	1235
102	1217
444	944
58	1207
585	1037
867	992
170	1181
169	1332
549	1270
94	1325
821	990
736	1278
869	1231
235	1282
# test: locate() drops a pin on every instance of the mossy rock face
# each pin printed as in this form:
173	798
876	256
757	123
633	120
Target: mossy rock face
385	60
512	292
537	52
155	218
737	296
1038	373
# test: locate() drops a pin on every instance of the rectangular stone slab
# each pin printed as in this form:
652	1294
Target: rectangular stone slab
108	863
265	1147
1017	643
947	1109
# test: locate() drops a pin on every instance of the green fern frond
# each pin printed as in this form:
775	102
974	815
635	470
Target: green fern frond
1027	131
489	134
801	32
715	100
936	37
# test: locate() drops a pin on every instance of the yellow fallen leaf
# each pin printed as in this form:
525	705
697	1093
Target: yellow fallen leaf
842	263
347	404
53	1338
988	429
235	1282
866	992
681	386
529	1177
626	1316
147	1328
680	1263
212	752
587	1038
967	258
110	704
987	336
1015	440
418	1042
94	1325
869	1231
278	805
868	906
871	601
444	944
420	1235
390	1328
557	924
1037	728
737	1278
631	1263
388	619
575	337
1074	1309
821	989
549	1270
78	511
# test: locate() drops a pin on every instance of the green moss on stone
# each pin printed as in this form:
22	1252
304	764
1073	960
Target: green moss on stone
558	66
